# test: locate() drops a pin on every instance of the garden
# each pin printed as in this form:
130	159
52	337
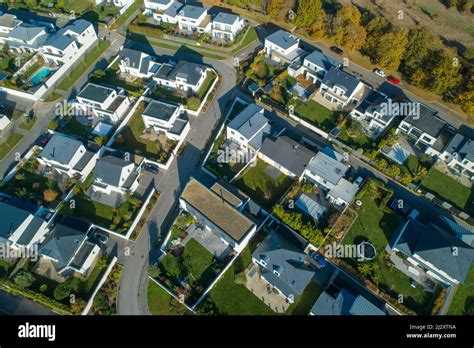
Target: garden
316	114
130	140
105	301
162	303
463	301
112	77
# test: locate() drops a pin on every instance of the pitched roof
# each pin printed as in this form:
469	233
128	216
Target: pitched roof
427	121
372	102
11	217
108	170
434	243
9	20
283	39
462	146
160	110
288	153
344	303
61	148
173	10
249	121
285	263
217	210
94	92
226	18
79	26
26	32
59	41
192	72
344	190
327	168
337	77
321	60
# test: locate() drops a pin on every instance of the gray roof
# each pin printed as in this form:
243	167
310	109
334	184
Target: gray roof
161	2
11	217
249	121
311	204
82	255
95	92
26	32
160	110
327	168
136	59
226	18
283	39
427	121
30	231
9	20
462	146
59	41
178	126
192	72
108	170
283	255
344	190
61	148
337	77
434	243
344	303
372	102
321	60
191	11
288	153
62	244
79	26
173	10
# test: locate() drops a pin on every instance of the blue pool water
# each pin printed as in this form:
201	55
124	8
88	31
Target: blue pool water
41	74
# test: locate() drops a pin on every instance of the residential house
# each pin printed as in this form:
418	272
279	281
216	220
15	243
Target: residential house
6	126
335	301
106	103
341	88
283	47
158	5
287	155
67	155
166	118
217	215
282	263
343	193
164	11
184	76
113	178
249	128
8	22
69	248
192	19
426	131
226	26
62	46
27	38
137	63
374	113
22	226
314	67
459	155
442	249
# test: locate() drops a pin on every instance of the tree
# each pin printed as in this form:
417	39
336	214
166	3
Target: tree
419	172
78	306
393	170
31	3
443	71
98	75
274	7
24	279
310	15
154	270
346	28
61	291
53	124
420	40
50	195
389	51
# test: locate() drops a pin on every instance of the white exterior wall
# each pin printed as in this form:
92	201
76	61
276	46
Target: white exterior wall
318	180
153	6
85	37
270	47
228	31
52	54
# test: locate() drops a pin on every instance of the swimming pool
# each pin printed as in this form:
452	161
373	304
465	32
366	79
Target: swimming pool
39	75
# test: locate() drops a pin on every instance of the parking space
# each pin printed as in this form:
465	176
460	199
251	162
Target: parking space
112	244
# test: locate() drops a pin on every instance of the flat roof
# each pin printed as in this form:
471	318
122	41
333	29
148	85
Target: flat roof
217	210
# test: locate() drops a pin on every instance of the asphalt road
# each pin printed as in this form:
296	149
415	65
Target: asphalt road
15	305
132	297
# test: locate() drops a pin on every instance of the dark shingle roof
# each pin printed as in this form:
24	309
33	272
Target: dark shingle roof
427	121
462	146
59	41
26	32
79	26
132	57
337	77
288	153
318	58
95	92
173	10
11	218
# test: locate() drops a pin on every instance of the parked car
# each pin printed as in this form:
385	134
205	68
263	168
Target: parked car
101	238
379	72
151	168
393	80
336	50
358	181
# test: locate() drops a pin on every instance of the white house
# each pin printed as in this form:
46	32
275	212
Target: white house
20	228
341	88
165	118
374	112
193	19
226	26
325	170
426	131
249	128
67	156
343	193
105	103
184	76
218	217
26	38
158	5
164	11
136	63
114	174
314	66
459	155
283	47
8	22
4	123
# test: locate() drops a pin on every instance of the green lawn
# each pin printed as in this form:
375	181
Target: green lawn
73	127
449	190
28	124
463	301
317	114
162	303
77	71
355	139
11	142
130	140
250	37
4	268
262	188
305	301
121	20
211	76
135	88
377	223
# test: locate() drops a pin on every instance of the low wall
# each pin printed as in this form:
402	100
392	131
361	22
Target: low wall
140	213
